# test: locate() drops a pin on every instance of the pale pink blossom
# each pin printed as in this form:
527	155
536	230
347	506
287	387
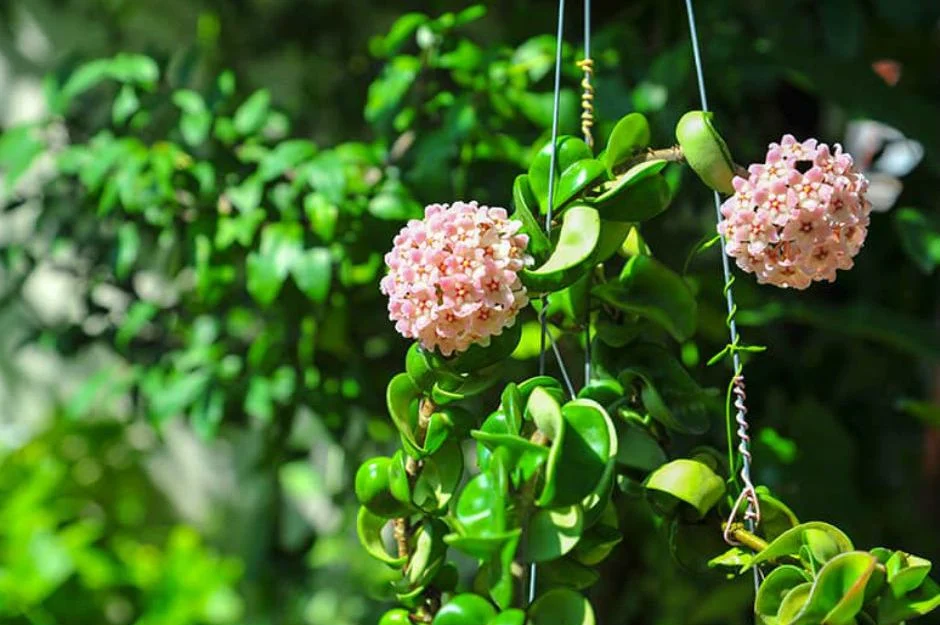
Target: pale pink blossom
799	216
453	276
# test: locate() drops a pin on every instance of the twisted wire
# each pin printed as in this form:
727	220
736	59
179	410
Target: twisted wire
733	349
587	99
587	123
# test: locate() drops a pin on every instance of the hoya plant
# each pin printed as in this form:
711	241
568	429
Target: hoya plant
528	489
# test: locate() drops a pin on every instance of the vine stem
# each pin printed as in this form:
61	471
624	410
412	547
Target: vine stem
402	526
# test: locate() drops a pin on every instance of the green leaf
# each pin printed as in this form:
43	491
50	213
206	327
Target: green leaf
252	115
637	449
774	588
526	206
919	602
480	509
639	201
512	616
553	533
125	104
567	572
631	134
128	247
418	367
373	487
570	150
498	571
919	232
793	604
613	235
906	572
284	157
478	357
776	517
465	609
369	529
386	92
790	542
542	407
19	148
650	289
669	394
196	120
312	271
839	590
428	554
705	151
580	231
439	477
524	458
579	453
398	34
690	481
562	606
578	177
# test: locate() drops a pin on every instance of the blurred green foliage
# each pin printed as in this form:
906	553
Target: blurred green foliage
225	238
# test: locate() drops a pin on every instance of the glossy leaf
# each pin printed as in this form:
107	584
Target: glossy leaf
637	202
427	555
481	507
774	588
400	395
524	457
479	357
510	402
418	367
705	151
499	579
369	529
670	394
790	542
526	208
578	455
613	235
776	517
374	491
577	239
906	572
567	572
551	385
465	609
630	134
576	178
690	481
439	477
543	408
793	604
637	449
839	590
650	289
553	533
569	151
561	606
919	602
597	542
513	616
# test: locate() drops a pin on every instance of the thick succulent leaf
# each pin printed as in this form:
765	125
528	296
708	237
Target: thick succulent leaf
642	200
499	579
478	357
512	616
839	590
526	209
465	609
577	239
705	151
906	572
524	457
793	604
669	393
637	449
567	572
562	606
650	289
369	529
919	602
578	177
418	367
793	540
428	554
690	481
613	235
774	588
553	532
569	151
630	134
481	507
400	397
775	517
439	477
578	456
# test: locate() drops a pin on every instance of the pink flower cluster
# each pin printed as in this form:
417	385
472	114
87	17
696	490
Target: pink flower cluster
452	278
799	216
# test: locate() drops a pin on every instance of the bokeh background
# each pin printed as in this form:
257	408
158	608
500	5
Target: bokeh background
195	198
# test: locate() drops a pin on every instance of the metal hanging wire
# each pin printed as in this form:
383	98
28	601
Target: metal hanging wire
543	321
587	124
736	389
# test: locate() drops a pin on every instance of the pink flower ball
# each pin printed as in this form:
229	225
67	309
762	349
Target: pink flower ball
453	276
799	216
